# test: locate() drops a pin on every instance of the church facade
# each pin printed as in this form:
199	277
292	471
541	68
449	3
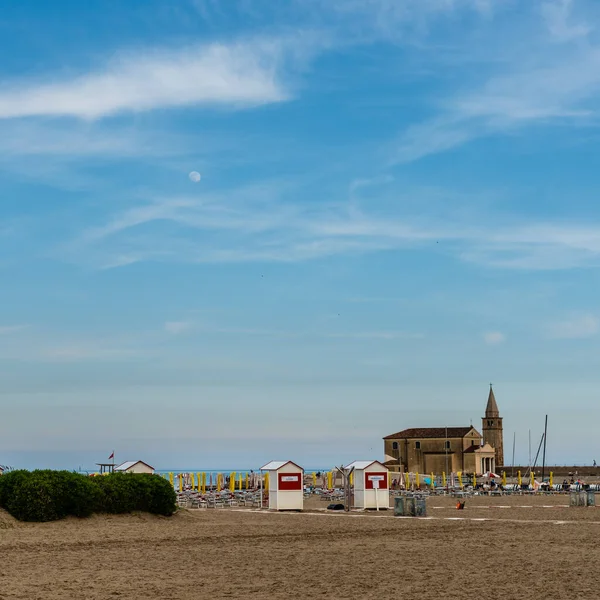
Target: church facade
448	449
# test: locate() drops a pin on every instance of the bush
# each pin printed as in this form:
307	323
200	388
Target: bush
50	495
126	492
47	495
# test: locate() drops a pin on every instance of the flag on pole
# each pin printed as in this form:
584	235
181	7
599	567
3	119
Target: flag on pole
112	455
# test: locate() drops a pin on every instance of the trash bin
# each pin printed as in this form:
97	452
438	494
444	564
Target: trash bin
399	506
406	506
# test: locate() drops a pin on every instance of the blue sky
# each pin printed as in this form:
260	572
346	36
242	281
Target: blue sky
397	206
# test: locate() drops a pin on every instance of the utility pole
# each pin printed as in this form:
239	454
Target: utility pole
345	473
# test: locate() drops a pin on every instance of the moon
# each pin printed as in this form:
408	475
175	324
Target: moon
195	176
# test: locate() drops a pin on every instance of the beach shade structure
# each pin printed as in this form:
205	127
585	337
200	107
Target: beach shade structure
285	485
134	466
371	484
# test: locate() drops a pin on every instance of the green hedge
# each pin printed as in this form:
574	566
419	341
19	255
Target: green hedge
50	495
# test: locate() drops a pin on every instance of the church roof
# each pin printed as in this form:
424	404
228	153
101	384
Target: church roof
491	410
430	432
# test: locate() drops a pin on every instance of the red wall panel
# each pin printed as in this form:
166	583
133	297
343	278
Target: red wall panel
383	483
289	481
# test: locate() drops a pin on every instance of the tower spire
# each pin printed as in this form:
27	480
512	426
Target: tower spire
491	409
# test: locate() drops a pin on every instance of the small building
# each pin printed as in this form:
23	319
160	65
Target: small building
371	484
134	466
483	461
286	485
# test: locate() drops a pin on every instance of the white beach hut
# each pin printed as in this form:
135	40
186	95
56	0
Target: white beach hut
371	484
134	466
286	485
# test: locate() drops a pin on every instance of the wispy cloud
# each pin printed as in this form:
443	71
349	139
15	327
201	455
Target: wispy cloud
237	75
578	326
8	329
560	23
493	338
552	84
253	224
177	327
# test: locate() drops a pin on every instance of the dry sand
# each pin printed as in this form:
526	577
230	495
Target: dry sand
525	548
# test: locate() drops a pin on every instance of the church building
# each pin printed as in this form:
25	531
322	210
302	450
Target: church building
448	449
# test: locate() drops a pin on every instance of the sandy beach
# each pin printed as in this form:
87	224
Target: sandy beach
511	547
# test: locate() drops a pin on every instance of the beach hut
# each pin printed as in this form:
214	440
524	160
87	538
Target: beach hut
134	466
286	485
371	485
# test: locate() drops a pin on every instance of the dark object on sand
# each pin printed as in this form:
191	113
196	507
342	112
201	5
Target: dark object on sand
335	507
460	505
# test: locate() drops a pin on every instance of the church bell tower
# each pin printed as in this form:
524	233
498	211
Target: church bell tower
492	428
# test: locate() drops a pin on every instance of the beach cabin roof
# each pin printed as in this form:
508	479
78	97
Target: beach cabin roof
363	464
275	465
130	463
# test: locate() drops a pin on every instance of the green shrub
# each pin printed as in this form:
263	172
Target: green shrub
50	495
126	492
47	495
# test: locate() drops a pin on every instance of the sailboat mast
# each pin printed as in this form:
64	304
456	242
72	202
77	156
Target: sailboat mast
513	458
544	455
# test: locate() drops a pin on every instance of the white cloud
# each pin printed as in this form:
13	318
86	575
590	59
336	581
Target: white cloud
579	326
494	338
238	75
557	14
177	327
